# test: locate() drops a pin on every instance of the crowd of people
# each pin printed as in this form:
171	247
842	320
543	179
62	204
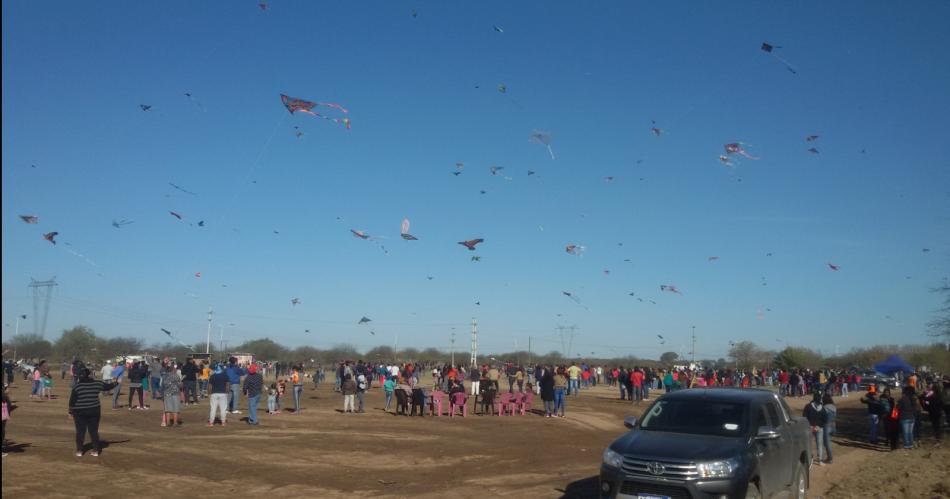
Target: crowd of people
490	387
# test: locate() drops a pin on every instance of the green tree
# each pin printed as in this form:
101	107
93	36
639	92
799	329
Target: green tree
30	346
939	327
746	354
797	357
380	354
668	358
79	343
263	349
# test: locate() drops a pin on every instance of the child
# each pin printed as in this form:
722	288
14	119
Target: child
272	399
7	409
281	388
47	386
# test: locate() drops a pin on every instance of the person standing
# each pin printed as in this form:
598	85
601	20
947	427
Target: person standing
560	386
155	377
348	389
934	400
189	374
831	416
253	384
296	377
908	409
817	418
203	375
574	377
84	409
546	384
117	373
136	374
875	411
170	385
105	374
361	386
234	373
219	386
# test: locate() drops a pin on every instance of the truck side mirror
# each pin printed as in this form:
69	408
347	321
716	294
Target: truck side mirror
767	433
630	422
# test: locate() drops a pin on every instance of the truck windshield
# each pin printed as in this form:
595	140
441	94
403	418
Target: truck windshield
703	417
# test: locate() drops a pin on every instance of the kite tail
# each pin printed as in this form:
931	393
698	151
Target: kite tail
788	65
550	151
748	155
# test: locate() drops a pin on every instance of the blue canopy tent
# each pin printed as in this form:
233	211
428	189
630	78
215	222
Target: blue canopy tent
892	365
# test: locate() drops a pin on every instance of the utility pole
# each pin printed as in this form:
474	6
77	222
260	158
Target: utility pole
42	291
16	330
473	361
570	344
221	338
693	352
453	348
208	343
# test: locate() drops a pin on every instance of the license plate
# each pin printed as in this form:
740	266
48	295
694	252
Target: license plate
651	496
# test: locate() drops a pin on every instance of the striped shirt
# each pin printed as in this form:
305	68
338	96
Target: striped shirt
253	384
85	395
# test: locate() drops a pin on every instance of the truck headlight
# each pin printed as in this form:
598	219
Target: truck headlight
717	469
613	459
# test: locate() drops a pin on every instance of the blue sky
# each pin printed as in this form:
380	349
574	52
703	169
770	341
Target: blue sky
422	95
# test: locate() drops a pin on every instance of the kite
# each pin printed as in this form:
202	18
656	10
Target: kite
502	88
498	29
606	271
542	137
298	133
456	173
609	179
170	335
470	244
495	169
172	213
670	287
263	6
811	138
726	161
833	266
769	49
293	105
119	223
476	258
198	275
925	250
414	13
813	150
306	330
360	234
295	302
51	236
365	320
201	223
405	231
574	298
759	314
574	249
459	166
145	107
483	192
182	189
660	336
530	172
429	277
656	131
736	148
713	258
30	219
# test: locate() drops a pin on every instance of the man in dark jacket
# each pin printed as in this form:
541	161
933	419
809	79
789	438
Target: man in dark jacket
189	374
817	418
136	375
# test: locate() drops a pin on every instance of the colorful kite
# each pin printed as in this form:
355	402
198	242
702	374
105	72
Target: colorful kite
770	48
736	148
51	236
293	105
360	234
470	244
30	219
405	231
541	137
656	131
726	161
575	249
671	288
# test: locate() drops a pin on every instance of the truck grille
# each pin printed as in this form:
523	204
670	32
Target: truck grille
669	470
673	491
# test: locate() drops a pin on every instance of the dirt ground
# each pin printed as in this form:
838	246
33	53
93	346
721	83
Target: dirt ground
324	453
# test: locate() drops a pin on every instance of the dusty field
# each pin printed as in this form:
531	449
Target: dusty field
323	453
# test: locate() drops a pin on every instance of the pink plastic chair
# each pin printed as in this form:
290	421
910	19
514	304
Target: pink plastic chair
458	400
501	403
515	403
436	405
526	402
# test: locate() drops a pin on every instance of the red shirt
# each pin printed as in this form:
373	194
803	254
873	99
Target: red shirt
636	377
585	375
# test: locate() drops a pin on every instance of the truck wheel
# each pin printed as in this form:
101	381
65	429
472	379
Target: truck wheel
801	484
752	492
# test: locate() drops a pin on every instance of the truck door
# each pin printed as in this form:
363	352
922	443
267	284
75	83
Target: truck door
769	454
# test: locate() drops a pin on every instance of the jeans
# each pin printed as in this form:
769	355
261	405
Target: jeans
623	391
136	387
115	396
389	400
360	401
511	384
559	400
87	421
819	443
202	388
37	387
874	420
907	428
191	391
573	386
646	391
637	393
219	402
548	407
156	384
826	440
297	390
844	389
235	400
271	404
252	402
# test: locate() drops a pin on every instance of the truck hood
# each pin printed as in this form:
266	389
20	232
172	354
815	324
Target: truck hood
642	444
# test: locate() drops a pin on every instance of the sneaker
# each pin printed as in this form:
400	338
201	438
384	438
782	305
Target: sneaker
235	412
94	453
164	425
209	425
5	454
78	453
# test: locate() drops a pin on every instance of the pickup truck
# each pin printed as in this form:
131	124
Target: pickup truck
715	443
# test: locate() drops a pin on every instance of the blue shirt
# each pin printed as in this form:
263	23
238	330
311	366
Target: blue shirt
234	373
118	370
